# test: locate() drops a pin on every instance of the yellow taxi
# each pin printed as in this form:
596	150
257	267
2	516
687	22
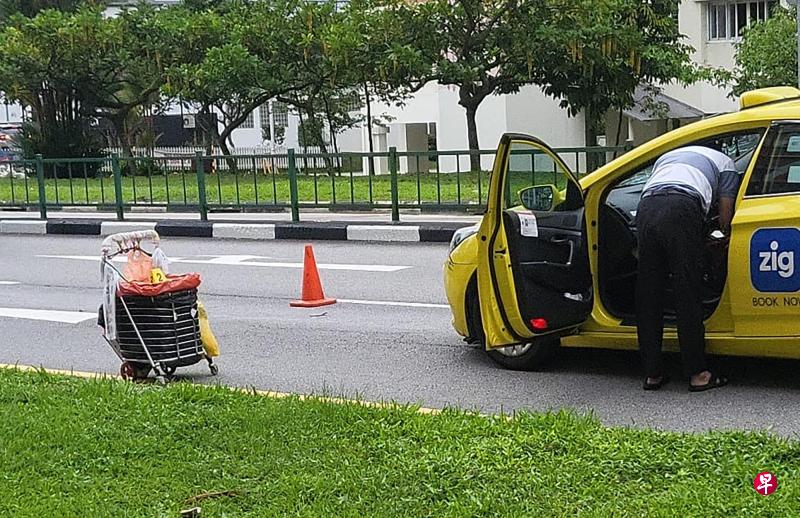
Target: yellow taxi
555	262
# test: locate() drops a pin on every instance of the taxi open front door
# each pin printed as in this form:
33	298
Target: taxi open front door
533	270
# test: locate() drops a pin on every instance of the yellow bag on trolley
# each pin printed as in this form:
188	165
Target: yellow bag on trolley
210	343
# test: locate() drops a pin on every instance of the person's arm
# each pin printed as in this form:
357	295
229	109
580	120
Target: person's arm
728	189
725	215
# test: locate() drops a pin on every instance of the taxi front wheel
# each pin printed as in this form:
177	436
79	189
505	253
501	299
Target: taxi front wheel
525	357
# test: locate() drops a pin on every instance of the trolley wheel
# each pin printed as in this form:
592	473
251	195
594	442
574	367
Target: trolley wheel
140	371
214	369
161	380
126	371
169	370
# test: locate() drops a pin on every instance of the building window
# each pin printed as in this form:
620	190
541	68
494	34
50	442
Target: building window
249	122
727	19
280	114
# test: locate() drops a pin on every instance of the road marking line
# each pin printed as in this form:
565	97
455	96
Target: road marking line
230	260
391	303
243	390
65	317
384	268
8	283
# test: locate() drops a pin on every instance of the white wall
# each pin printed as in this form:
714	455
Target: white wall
421	107
247	137
439	104
451	132
531	111
693	23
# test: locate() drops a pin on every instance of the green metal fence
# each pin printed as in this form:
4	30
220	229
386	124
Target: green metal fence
432	180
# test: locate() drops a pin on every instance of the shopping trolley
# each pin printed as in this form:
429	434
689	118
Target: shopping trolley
149	325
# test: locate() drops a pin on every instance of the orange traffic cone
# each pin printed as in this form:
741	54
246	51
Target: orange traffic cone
312	288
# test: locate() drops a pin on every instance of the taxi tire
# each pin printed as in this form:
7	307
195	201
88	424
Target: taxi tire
535	358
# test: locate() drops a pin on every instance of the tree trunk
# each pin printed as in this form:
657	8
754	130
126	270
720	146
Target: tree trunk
121	128
368	102
323	149
472	138
590	138
332	133
205	123
619	130
319	135
222	142
305	137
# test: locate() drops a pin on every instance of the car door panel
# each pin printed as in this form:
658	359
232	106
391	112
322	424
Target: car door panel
550	271
540	276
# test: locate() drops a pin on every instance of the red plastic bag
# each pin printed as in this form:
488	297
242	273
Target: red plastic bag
174	283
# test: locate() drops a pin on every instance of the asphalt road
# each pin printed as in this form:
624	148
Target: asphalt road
363	347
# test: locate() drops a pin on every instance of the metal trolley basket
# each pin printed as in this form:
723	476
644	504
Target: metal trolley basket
155	326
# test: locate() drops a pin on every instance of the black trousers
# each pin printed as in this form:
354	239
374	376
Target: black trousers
670	232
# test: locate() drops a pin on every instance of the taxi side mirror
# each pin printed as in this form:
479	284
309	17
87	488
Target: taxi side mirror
538	197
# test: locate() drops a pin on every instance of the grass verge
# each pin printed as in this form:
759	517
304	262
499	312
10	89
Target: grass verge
73	447
272	189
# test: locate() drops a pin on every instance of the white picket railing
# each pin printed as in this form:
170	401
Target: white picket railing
261	157
170	151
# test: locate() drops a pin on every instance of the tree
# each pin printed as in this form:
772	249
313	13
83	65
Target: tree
254	52
327	74
767	53
313	72
30	8
127	76
43	64
371	54
594	53
482	47
84	66
220	74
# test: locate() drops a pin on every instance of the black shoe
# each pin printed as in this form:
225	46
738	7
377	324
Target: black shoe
657	385
714	382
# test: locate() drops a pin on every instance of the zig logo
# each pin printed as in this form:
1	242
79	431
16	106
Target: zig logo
773	252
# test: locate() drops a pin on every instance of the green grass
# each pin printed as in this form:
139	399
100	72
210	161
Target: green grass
245	188
72	447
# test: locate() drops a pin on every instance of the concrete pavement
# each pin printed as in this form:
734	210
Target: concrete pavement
311	215
322	225
363	346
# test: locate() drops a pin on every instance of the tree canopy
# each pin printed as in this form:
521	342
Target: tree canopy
30	8
596	52
590	54
45	62
767	53
70	63
482	47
